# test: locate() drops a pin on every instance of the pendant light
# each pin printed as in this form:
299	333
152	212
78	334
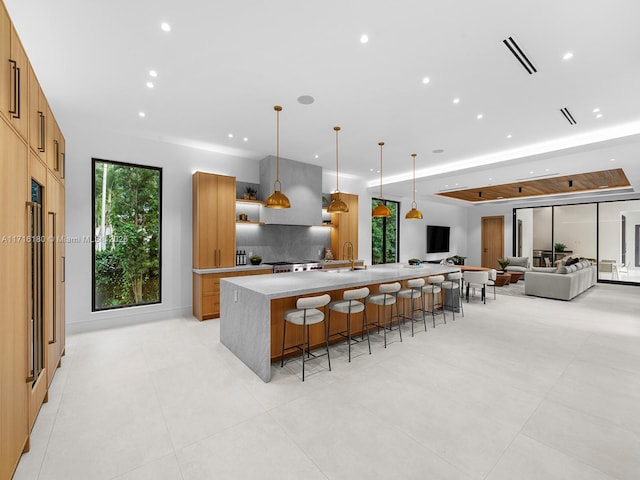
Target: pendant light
277	199
414	213
381	209
337	205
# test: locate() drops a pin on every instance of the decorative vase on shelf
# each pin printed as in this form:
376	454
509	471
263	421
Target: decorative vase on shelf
255	260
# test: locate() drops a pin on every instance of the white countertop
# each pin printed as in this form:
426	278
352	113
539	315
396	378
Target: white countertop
303	283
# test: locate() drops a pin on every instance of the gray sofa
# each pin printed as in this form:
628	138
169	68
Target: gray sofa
518	264
563	283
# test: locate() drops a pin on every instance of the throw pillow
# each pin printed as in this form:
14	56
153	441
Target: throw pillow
572	261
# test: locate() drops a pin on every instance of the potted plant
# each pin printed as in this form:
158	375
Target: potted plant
251	193
457	259
255	259
560	247
414	261
503	263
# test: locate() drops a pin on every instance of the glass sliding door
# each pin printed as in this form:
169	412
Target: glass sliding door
575	231
619	242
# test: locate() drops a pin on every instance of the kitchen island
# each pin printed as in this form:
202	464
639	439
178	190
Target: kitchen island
252	307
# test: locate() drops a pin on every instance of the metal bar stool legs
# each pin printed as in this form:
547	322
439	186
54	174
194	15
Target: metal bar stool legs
451	286
304	315
386	298
349	305
413	293
433	288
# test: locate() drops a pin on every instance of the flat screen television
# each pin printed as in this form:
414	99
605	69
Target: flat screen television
437	239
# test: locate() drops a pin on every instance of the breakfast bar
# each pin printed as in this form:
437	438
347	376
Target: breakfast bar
252	307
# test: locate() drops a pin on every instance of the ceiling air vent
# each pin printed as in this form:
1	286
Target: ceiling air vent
567	114
519	54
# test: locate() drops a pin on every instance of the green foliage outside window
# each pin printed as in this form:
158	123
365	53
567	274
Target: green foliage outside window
126	248
384	234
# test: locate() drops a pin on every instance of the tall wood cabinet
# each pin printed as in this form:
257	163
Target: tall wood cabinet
345	227
32	247
214	222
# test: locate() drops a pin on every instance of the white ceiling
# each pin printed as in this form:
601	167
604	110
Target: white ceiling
225	64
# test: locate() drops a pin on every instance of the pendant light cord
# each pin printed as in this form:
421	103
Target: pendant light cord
337	129
414	180
381	144
277	108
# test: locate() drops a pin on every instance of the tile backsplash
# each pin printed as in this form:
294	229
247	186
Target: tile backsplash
283	242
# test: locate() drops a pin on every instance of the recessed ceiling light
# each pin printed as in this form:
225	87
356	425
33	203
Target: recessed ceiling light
306	99
364	38
490	178
437	150
546	169
603	186
153	73
149	84
612	159
230	135
316	156
509	136
567	56
371	169
426	80
500	198
142	114
456	100
599	115
596	110
165	26
457	184
531	172
446	186
480	116
245	139
377	171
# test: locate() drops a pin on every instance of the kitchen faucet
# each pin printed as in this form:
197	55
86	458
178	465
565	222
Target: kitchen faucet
349	255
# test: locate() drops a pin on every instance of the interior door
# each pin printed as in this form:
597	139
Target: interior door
492	240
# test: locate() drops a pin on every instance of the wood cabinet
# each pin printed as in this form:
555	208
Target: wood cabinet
14	390
345	227
14	77
206	291
32	249
40	134
54	280
214	225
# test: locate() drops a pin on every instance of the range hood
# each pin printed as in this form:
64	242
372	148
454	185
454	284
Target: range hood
301	183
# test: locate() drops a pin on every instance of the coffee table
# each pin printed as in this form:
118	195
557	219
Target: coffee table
503	279
515	276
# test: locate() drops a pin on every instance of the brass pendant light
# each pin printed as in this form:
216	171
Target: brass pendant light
277	199
414	213
337	205
381	209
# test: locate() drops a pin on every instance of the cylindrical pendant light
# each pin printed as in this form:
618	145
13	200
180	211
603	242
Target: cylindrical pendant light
277	199
381	209
414	213
337	205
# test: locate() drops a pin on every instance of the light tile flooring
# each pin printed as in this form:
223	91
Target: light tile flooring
520	388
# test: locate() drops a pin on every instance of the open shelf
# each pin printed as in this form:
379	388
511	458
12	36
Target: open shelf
255	202
248	222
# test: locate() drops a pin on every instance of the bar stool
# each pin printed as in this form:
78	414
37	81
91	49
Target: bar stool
348	305
453	285
306	313
413	292
434	287
493	276
385	298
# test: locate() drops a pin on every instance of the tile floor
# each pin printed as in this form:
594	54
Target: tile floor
521	388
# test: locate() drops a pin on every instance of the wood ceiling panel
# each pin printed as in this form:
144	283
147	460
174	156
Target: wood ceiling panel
582	182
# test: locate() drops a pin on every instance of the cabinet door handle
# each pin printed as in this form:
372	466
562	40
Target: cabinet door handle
42	133
56	149
14	110
53	274
64	161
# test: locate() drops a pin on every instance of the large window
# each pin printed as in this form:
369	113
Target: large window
127	207
384	234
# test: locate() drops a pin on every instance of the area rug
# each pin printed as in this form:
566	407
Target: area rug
513	289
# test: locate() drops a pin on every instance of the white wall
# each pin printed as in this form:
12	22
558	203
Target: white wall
575	226
178	164
542	228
